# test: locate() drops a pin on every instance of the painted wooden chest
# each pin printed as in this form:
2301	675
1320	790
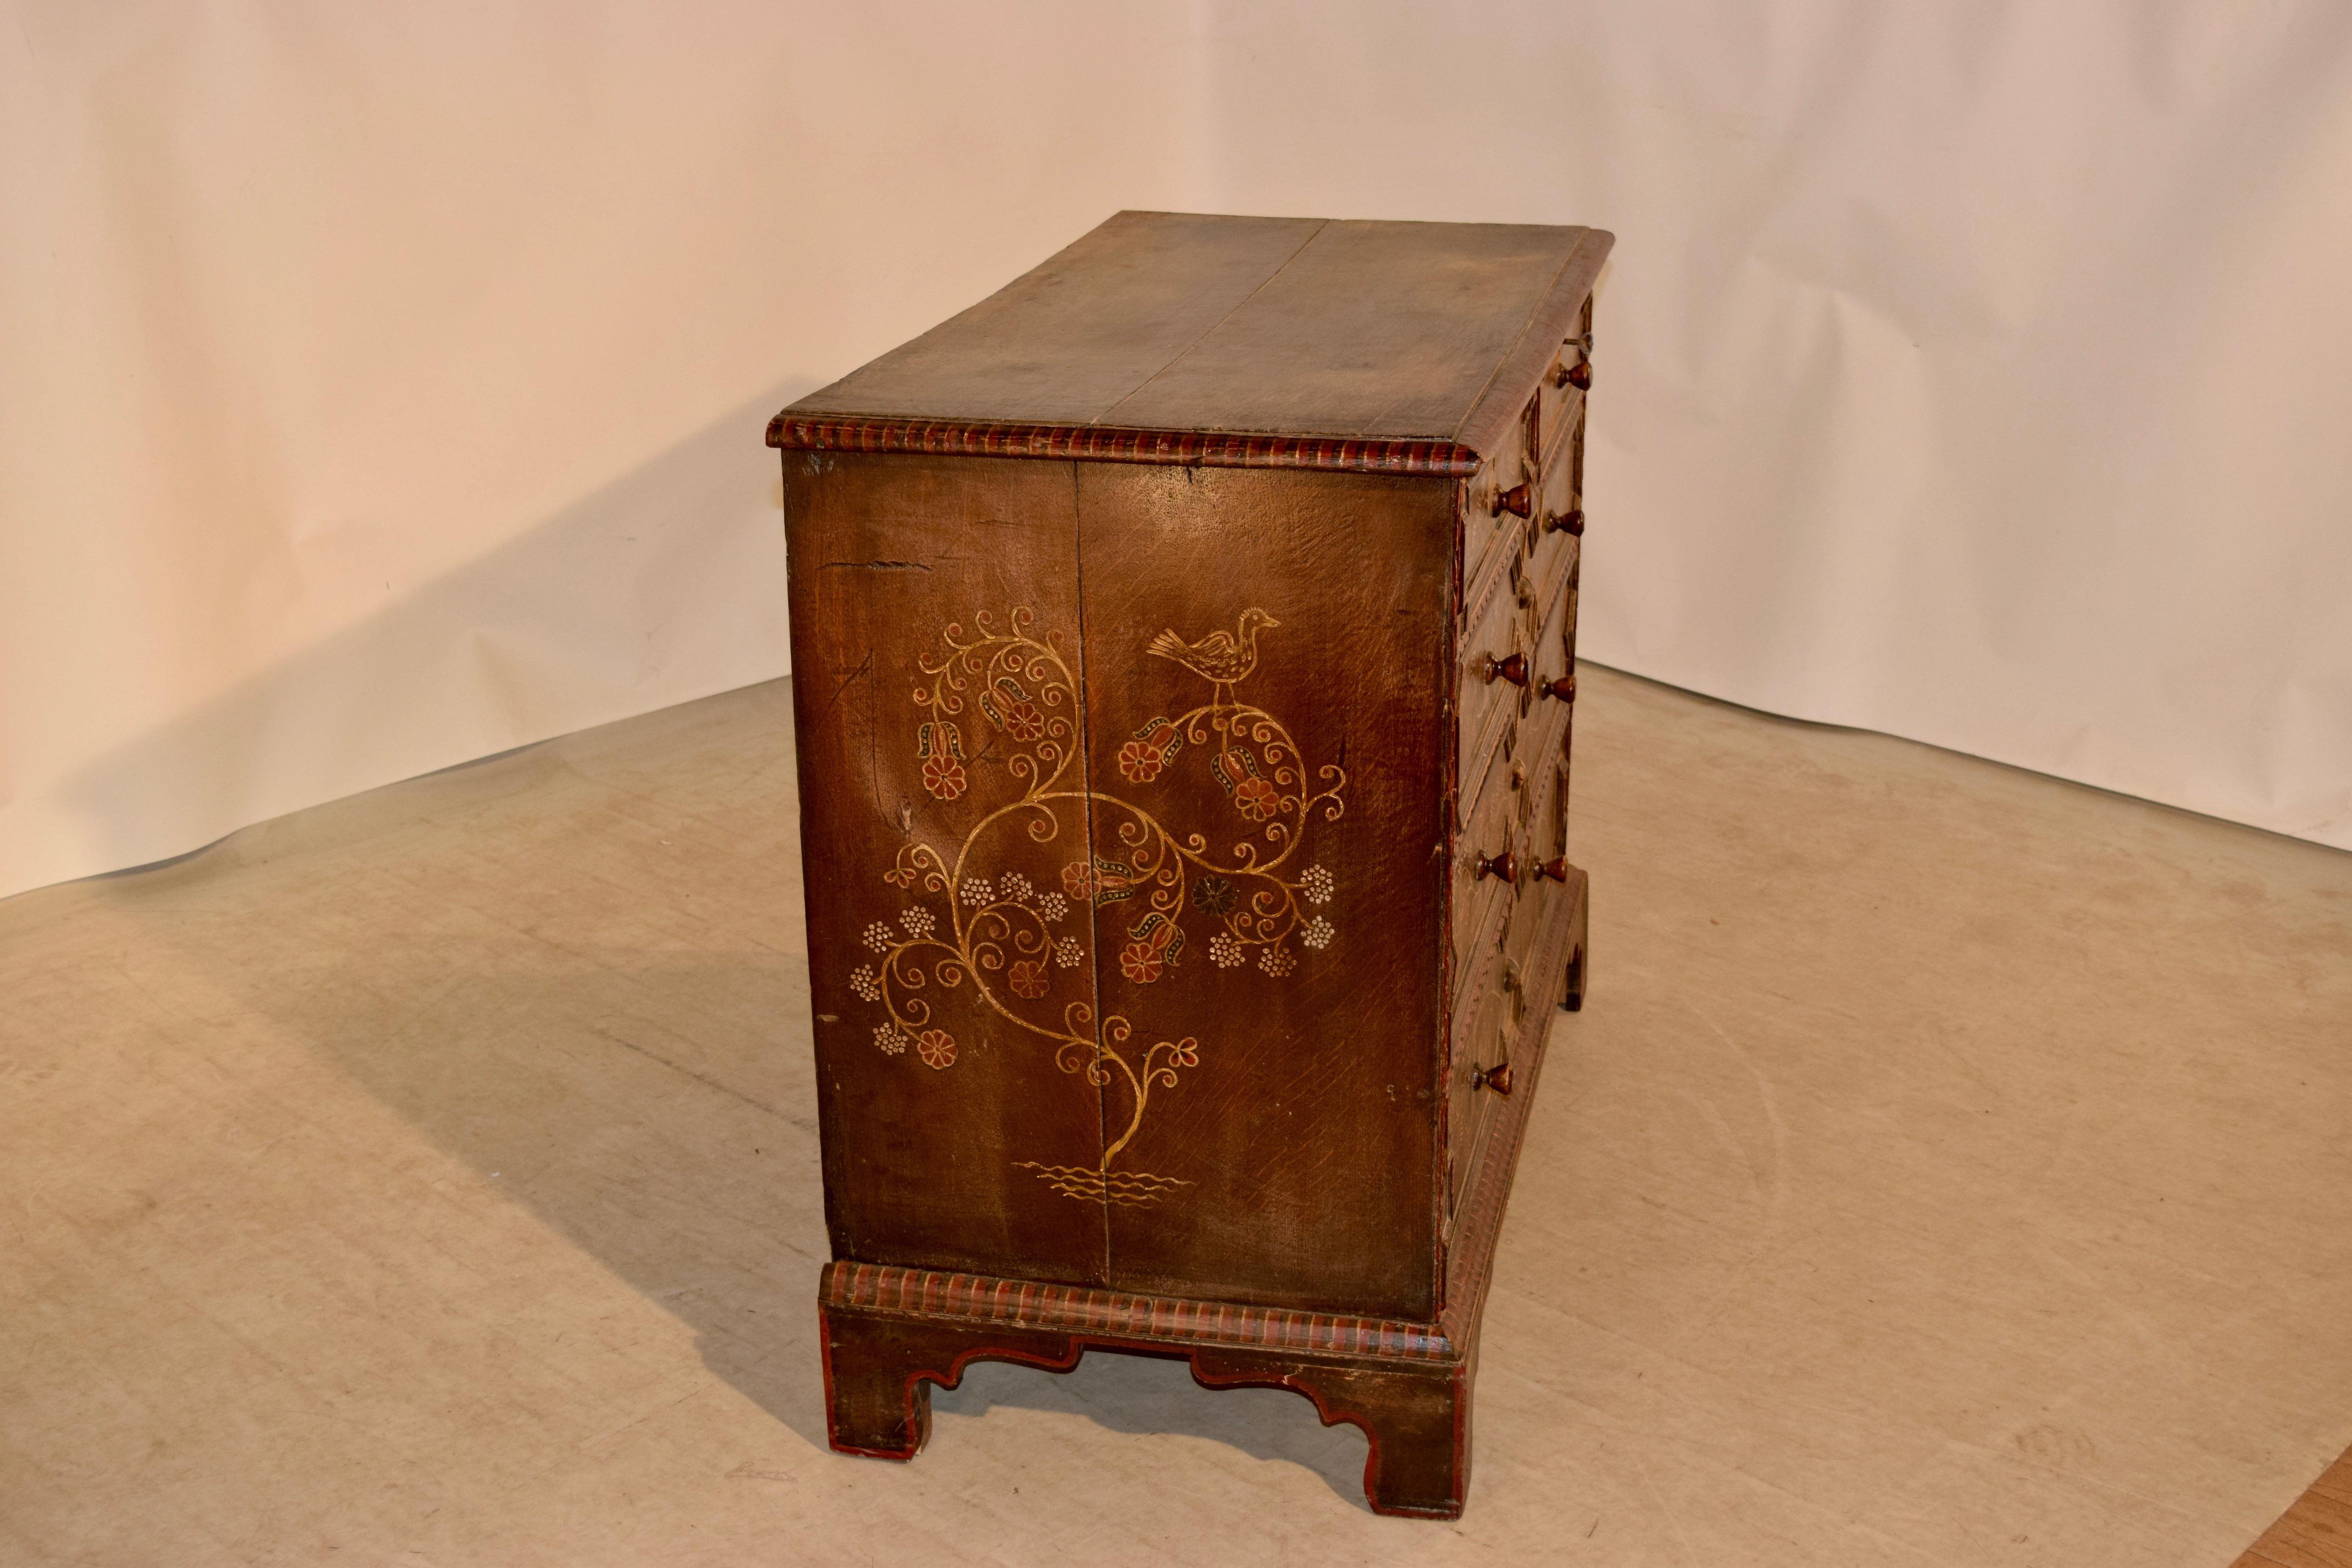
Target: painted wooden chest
1183	649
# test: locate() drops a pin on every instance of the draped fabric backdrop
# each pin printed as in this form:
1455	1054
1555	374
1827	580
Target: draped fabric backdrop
380	386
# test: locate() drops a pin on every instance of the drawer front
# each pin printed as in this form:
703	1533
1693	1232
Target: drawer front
1562	400
1506	766
1493	823
1488	527
1498	624
1470	1109
1504	609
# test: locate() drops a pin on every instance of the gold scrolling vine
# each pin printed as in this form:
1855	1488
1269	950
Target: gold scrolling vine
973	922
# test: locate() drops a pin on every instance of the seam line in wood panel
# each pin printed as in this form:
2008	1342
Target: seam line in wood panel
1086	826
1181	355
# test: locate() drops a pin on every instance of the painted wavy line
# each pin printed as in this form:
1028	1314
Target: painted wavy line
1134	1188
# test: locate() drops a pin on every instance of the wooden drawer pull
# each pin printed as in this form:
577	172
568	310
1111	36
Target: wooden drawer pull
1563	689
1504	868
1557	869
1497	1078
1513	669
1516	501
1578	376
1569	523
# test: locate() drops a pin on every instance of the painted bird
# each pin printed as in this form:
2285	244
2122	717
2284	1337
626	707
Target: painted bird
1222	657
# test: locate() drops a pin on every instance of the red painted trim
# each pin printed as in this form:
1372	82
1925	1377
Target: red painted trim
1104	444
980	1301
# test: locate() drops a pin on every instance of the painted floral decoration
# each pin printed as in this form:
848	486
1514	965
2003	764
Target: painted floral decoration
1212	895
1140	760
1024	723
1257	798
943	777
986	942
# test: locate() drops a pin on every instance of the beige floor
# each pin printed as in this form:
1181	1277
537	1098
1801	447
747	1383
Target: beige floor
1952	1166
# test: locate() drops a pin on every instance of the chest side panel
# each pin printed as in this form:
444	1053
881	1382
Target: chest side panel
936	681
1267	671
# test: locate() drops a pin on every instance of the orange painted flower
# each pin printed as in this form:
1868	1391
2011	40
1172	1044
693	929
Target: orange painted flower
1139	962
943	777
1028	977
1257	798
1079	879
1139	762
937	1047
1024	723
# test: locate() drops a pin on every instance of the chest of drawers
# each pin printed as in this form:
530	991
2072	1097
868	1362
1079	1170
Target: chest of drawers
1183	647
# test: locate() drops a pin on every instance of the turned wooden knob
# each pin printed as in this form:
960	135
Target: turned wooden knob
1504	868
1497	1078
1569	523
1515	500
1564	689
1578	376
1513	669
1557	869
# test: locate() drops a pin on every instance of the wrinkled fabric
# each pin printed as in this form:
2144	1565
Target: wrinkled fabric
382	388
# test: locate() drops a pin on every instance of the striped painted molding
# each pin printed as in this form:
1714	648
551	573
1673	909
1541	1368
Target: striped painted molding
1098	443
976	1299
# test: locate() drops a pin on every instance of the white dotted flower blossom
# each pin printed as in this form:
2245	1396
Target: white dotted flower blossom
880	937
1224	951
1316	933
1052	907
977	891
1015	886
1317	884
1068	953
918	921
1278	960
890	1038
866	982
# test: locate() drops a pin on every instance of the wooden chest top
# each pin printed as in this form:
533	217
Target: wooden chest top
1191	339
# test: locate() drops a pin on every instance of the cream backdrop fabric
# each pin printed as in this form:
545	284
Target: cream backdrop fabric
380	386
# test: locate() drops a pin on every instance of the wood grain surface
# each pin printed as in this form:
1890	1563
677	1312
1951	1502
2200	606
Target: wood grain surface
2316	1533
1192	322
